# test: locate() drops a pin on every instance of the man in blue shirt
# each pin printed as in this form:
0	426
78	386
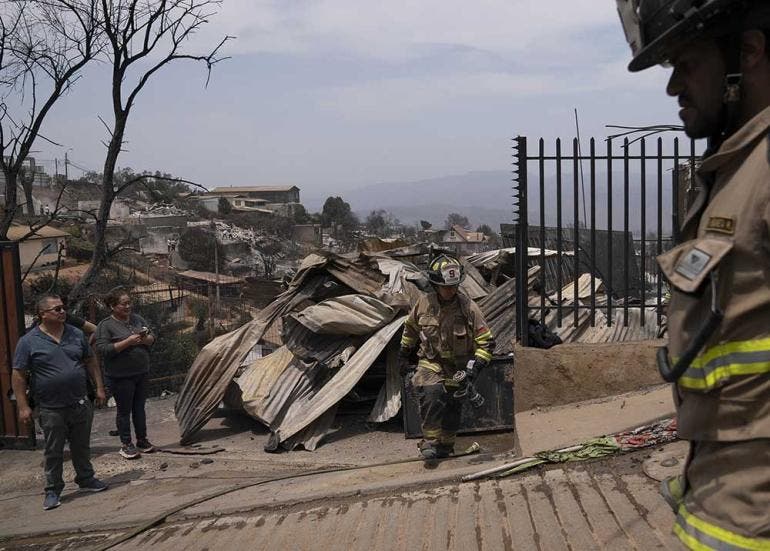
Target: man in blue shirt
57	355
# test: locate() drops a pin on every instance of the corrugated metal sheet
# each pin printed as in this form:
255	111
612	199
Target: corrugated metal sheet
388	401
257	380
492	259
311	347
356	274
474	284
312	435
400	289
584	288
288	395
208	377
346	315
289	383
602	331
216	365
290	386
378	244
499	309
343	381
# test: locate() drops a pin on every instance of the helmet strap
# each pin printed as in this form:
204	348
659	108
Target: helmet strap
732	93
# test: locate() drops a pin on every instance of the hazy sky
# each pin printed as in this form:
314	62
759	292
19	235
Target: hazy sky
335	94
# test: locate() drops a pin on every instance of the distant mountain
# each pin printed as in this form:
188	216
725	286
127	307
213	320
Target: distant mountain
485	197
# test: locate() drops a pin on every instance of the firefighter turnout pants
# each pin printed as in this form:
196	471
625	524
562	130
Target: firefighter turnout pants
724	503
439	415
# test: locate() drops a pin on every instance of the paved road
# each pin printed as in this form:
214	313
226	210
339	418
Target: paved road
575	508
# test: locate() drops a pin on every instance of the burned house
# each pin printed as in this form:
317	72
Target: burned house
280	200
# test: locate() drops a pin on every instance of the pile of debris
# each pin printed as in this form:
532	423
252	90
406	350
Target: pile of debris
339	320
159	209
340	317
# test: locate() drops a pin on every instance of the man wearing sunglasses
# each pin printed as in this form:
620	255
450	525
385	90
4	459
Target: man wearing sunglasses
57	355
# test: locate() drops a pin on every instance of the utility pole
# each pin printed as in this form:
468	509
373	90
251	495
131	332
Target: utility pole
216	267
66	167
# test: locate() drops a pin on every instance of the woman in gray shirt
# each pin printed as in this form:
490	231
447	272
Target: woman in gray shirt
123	341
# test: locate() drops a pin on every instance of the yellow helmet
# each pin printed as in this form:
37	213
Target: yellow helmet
445	271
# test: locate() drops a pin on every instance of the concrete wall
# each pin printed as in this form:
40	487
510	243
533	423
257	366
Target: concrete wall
211	204
175	220
30	248
570	373
156	240
118	210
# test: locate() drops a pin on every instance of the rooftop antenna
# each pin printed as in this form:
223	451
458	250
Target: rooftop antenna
582	177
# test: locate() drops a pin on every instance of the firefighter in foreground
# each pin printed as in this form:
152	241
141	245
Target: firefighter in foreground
450	330
719	315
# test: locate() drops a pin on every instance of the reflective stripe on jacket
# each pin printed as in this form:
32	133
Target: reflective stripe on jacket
717	365
698	534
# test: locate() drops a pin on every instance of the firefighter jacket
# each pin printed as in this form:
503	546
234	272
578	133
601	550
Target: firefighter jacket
725	393
448	333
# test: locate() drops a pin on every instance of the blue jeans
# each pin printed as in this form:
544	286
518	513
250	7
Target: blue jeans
129	399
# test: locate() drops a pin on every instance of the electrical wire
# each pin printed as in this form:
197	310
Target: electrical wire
647	130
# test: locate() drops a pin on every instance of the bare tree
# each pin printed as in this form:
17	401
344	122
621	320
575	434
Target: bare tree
44	45
142	37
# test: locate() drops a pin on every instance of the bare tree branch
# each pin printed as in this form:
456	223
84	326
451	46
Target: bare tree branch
40	253
140	178
44	44
44	221
142	38
58	267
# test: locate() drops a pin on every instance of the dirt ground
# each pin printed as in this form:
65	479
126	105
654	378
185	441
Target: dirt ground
384	465
354	442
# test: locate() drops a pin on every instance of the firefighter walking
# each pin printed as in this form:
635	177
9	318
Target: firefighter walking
447	329
719	316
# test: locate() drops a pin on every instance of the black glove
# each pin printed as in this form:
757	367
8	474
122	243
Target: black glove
478	365
404	365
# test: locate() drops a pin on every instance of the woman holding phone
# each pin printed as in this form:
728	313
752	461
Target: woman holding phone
123	341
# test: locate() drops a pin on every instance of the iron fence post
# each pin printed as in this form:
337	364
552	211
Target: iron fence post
520	219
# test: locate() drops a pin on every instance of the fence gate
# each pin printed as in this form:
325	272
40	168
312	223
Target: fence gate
11	328
603	215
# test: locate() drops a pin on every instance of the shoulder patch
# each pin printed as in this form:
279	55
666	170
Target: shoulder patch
721	224
692	264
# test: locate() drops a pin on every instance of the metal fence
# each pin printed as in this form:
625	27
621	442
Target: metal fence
605	213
